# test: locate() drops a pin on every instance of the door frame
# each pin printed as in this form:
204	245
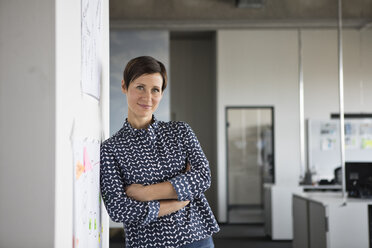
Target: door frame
227	145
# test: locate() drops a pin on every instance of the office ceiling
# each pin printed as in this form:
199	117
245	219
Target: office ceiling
225	13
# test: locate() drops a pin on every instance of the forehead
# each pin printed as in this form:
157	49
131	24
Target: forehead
154	79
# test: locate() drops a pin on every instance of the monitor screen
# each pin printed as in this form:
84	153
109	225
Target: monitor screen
359	179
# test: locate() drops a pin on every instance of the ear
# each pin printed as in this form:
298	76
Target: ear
123	88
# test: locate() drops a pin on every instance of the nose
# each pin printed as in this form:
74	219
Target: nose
147	95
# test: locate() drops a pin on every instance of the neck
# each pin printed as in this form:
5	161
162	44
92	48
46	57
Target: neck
139	122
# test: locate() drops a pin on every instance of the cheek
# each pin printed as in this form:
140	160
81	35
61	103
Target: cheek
157	99
132	97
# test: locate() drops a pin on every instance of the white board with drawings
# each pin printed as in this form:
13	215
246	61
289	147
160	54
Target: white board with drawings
86	194
87	219
324	152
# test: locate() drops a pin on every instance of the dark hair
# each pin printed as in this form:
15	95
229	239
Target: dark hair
144	65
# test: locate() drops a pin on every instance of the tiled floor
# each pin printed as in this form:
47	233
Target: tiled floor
230	236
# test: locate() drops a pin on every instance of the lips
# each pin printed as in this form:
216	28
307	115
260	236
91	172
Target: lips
145	106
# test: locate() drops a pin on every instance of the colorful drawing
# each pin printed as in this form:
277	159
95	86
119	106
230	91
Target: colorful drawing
366	143
86	190
79	169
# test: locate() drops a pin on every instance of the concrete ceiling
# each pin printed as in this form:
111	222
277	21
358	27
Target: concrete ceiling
224	13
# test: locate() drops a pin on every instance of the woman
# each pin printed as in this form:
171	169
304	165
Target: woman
154	173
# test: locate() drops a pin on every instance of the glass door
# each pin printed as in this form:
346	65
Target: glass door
250	161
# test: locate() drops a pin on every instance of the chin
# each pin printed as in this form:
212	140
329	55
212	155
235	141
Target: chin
145	113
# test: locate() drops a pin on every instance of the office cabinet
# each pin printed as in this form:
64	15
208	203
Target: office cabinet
277	210
322	220
317	225
300	219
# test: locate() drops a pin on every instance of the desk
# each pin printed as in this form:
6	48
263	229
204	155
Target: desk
320	220
321	187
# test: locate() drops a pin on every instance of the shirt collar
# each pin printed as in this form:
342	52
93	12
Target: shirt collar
150	129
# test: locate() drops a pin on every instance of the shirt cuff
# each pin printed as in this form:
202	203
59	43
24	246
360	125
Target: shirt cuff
182	188
153	212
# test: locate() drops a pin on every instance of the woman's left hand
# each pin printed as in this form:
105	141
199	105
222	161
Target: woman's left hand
137	192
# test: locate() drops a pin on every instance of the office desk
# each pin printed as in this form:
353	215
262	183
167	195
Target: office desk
320	220
321	188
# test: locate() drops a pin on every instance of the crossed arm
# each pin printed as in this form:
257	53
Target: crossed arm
164	192
144	204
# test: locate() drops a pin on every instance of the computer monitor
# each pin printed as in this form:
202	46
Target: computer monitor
359	179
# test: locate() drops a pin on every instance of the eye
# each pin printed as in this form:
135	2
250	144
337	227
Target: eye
140	87
156	90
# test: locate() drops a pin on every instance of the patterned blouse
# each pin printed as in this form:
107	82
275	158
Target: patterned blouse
149	156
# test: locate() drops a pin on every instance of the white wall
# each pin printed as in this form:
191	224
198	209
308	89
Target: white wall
320	63
40	99
27	123
260	67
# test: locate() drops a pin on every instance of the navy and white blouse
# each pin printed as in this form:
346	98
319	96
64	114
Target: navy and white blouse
149	156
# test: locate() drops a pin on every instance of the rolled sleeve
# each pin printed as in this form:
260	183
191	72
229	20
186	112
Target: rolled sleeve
181	187
119	206
195	182
153	211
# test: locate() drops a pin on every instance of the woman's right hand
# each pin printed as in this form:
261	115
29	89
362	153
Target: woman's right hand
170	206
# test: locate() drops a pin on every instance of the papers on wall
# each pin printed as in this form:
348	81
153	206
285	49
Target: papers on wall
328	144
357	135
351	142
328	129
351	129
327	134
366	128
351	132
91	26
324	148
367	143
87	226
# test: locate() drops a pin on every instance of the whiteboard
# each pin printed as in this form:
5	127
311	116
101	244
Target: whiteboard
324	149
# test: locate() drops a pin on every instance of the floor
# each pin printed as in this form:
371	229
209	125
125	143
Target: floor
250	236
231	236
246	215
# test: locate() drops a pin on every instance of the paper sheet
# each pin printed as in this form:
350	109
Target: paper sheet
91	52
86	190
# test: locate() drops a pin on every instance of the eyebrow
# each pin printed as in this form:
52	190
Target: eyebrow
142	84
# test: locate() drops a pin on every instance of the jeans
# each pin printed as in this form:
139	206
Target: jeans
204	243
